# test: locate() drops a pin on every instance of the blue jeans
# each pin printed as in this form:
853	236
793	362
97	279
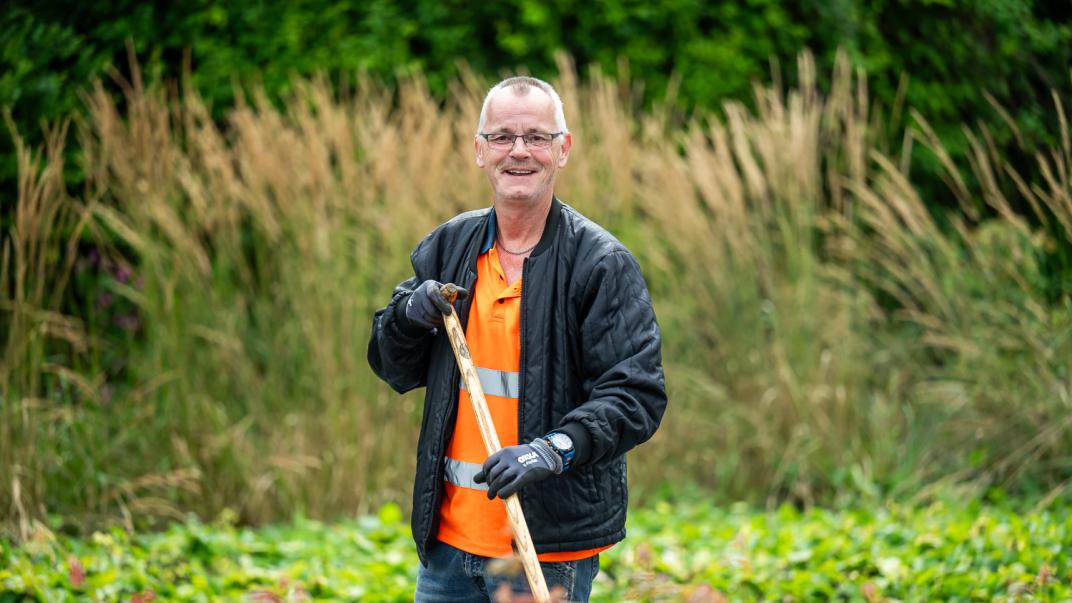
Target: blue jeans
454	576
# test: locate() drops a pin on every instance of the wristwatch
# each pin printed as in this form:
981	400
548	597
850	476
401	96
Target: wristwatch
563	445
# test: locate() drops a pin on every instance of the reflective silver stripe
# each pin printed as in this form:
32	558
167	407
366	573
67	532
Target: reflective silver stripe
498	383
461	474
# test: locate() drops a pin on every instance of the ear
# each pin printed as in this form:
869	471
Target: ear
567	142
480	151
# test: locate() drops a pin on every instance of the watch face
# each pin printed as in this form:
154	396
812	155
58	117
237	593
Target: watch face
561	441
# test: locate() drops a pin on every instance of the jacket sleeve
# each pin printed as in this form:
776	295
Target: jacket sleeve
397	353
621	360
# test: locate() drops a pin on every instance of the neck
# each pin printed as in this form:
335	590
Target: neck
520	222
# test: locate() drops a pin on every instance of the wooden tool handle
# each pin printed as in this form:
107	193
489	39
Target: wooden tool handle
520	528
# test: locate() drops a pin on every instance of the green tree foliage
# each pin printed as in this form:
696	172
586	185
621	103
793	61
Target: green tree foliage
951	50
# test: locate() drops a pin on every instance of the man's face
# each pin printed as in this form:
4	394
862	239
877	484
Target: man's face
521	173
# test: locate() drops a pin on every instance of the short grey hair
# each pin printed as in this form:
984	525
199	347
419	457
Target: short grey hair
521	85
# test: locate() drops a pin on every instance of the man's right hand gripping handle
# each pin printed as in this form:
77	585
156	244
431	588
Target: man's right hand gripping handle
426	306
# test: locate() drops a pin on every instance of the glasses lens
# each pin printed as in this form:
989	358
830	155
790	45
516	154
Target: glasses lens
501	140
538	141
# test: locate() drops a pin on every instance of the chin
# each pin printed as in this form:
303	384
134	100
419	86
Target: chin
520	195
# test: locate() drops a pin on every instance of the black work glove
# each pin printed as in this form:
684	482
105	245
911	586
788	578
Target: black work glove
514	467
426	306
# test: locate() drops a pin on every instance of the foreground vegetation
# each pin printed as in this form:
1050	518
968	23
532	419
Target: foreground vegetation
827	338
692	552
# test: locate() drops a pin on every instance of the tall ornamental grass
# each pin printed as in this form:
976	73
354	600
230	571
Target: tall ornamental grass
826	337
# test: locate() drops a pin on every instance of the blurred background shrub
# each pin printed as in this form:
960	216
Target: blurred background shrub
827	338
862	266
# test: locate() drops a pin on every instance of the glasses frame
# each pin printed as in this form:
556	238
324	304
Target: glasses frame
487	138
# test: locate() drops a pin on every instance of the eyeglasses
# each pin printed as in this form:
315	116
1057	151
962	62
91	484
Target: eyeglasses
533	140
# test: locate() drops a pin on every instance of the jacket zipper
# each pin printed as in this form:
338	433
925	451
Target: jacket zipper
521	367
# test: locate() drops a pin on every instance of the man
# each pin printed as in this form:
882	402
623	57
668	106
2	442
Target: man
561	328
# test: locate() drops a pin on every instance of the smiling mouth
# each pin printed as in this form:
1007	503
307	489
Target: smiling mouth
520	172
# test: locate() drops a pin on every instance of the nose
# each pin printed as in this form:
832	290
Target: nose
520	149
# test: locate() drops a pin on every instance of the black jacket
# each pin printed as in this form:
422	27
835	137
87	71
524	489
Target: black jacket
590	366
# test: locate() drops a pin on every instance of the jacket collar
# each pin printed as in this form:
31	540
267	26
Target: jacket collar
554	216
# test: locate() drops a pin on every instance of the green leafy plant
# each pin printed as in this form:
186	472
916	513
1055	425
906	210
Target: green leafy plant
685	552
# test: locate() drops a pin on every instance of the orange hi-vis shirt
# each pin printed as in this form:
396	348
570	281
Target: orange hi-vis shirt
468	520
